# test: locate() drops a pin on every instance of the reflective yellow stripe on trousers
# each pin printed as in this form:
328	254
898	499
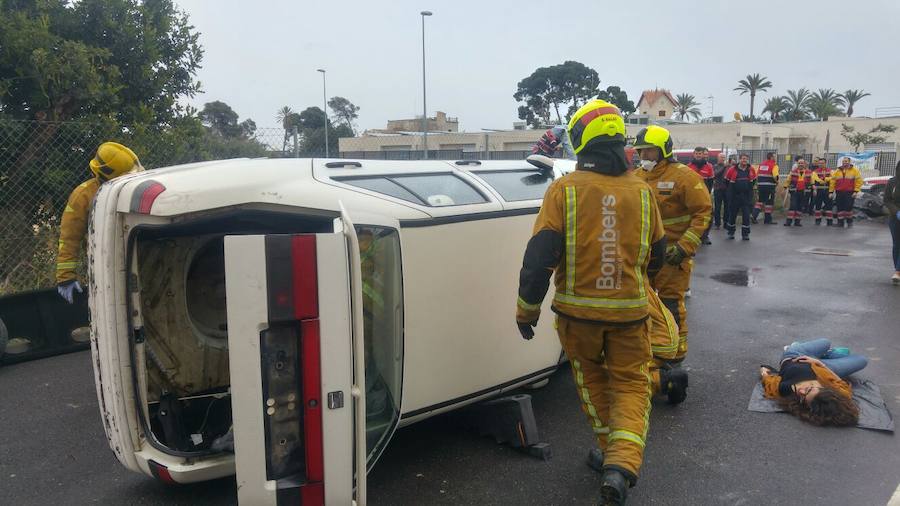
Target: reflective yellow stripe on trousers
596	422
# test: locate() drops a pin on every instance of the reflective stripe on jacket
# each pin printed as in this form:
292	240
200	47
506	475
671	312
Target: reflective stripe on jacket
767	173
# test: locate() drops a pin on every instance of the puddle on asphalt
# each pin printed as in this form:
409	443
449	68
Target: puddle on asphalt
737	277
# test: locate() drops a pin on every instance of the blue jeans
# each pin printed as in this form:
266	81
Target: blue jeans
821	348
894	225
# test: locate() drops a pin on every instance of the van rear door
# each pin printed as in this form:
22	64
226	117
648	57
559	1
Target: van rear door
293	360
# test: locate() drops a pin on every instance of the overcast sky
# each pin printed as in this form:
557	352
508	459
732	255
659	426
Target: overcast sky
262	55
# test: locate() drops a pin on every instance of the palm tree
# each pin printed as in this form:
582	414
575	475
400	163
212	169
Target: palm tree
852	97
283	114
775	106
824	103
798	104
686	105
752	84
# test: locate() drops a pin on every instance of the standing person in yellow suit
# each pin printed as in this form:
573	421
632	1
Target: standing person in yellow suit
600	230
112	160
845	184
685	207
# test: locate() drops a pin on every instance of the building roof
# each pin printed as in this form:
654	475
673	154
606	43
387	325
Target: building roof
653	95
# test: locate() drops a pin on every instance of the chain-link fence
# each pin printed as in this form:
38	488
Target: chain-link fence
885	161
42	162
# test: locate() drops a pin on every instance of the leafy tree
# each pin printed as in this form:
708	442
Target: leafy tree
345	112
851	97
282	115
618	97
752	84
686	105
775	106
548	89
312	117
798	104
857	139
825	102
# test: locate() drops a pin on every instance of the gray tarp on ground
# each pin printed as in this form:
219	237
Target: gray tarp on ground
873	412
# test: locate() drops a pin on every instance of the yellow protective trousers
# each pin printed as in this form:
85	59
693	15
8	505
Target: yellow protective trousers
610	365
671	283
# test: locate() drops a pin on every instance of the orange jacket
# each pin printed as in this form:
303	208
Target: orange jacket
826	377
684	203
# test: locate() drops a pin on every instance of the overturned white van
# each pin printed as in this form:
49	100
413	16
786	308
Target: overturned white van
304	309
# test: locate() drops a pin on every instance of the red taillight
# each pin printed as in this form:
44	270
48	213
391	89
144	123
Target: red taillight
144	195
306	285
161	473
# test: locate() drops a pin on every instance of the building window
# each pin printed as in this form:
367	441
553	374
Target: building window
662	114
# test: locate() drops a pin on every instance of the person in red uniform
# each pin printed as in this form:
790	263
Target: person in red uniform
798	184
846	181
740	180
821	201
767	181
701	166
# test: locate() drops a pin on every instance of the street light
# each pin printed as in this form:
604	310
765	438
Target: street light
424	106
324	108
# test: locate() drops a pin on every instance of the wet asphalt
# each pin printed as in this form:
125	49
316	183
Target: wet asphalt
749	299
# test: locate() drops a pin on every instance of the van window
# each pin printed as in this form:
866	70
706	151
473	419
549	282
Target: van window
514	185
382	331
385	186
433	190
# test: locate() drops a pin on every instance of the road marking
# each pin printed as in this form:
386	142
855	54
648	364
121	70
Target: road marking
895	499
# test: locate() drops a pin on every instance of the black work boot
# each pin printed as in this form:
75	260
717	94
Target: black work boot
818	221
673	383
768	219
788	222
797	223
840	223
849	222
595	459
614	486
829	223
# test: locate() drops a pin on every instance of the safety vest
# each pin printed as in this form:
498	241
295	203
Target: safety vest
846	180
824	175
799	180
767	173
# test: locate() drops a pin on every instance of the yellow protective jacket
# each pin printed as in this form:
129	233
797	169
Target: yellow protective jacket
684	203
824	375
845	180
73	228
599	233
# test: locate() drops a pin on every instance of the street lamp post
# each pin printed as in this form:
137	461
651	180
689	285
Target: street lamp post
424	106
324	108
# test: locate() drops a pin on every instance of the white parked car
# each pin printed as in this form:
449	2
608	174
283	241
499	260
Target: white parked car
304	309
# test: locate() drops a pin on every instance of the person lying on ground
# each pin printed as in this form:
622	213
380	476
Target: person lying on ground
811	385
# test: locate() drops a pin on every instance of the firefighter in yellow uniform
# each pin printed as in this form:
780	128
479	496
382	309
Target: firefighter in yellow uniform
112	160
599	228
685	207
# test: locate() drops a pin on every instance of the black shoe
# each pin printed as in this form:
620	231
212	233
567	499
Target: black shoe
595	459
745	238
707	242
730	236
818	222
797	223
787	223
613	488
674	383
753	220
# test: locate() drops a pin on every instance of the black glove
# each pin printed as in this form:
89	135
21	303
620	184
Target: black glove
675	255
526	329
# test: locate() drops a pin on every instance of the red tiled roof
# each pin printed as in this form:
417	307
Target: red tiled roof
653	95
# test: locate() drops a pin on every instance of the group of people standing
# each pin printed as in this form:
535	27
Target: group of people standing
742	189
